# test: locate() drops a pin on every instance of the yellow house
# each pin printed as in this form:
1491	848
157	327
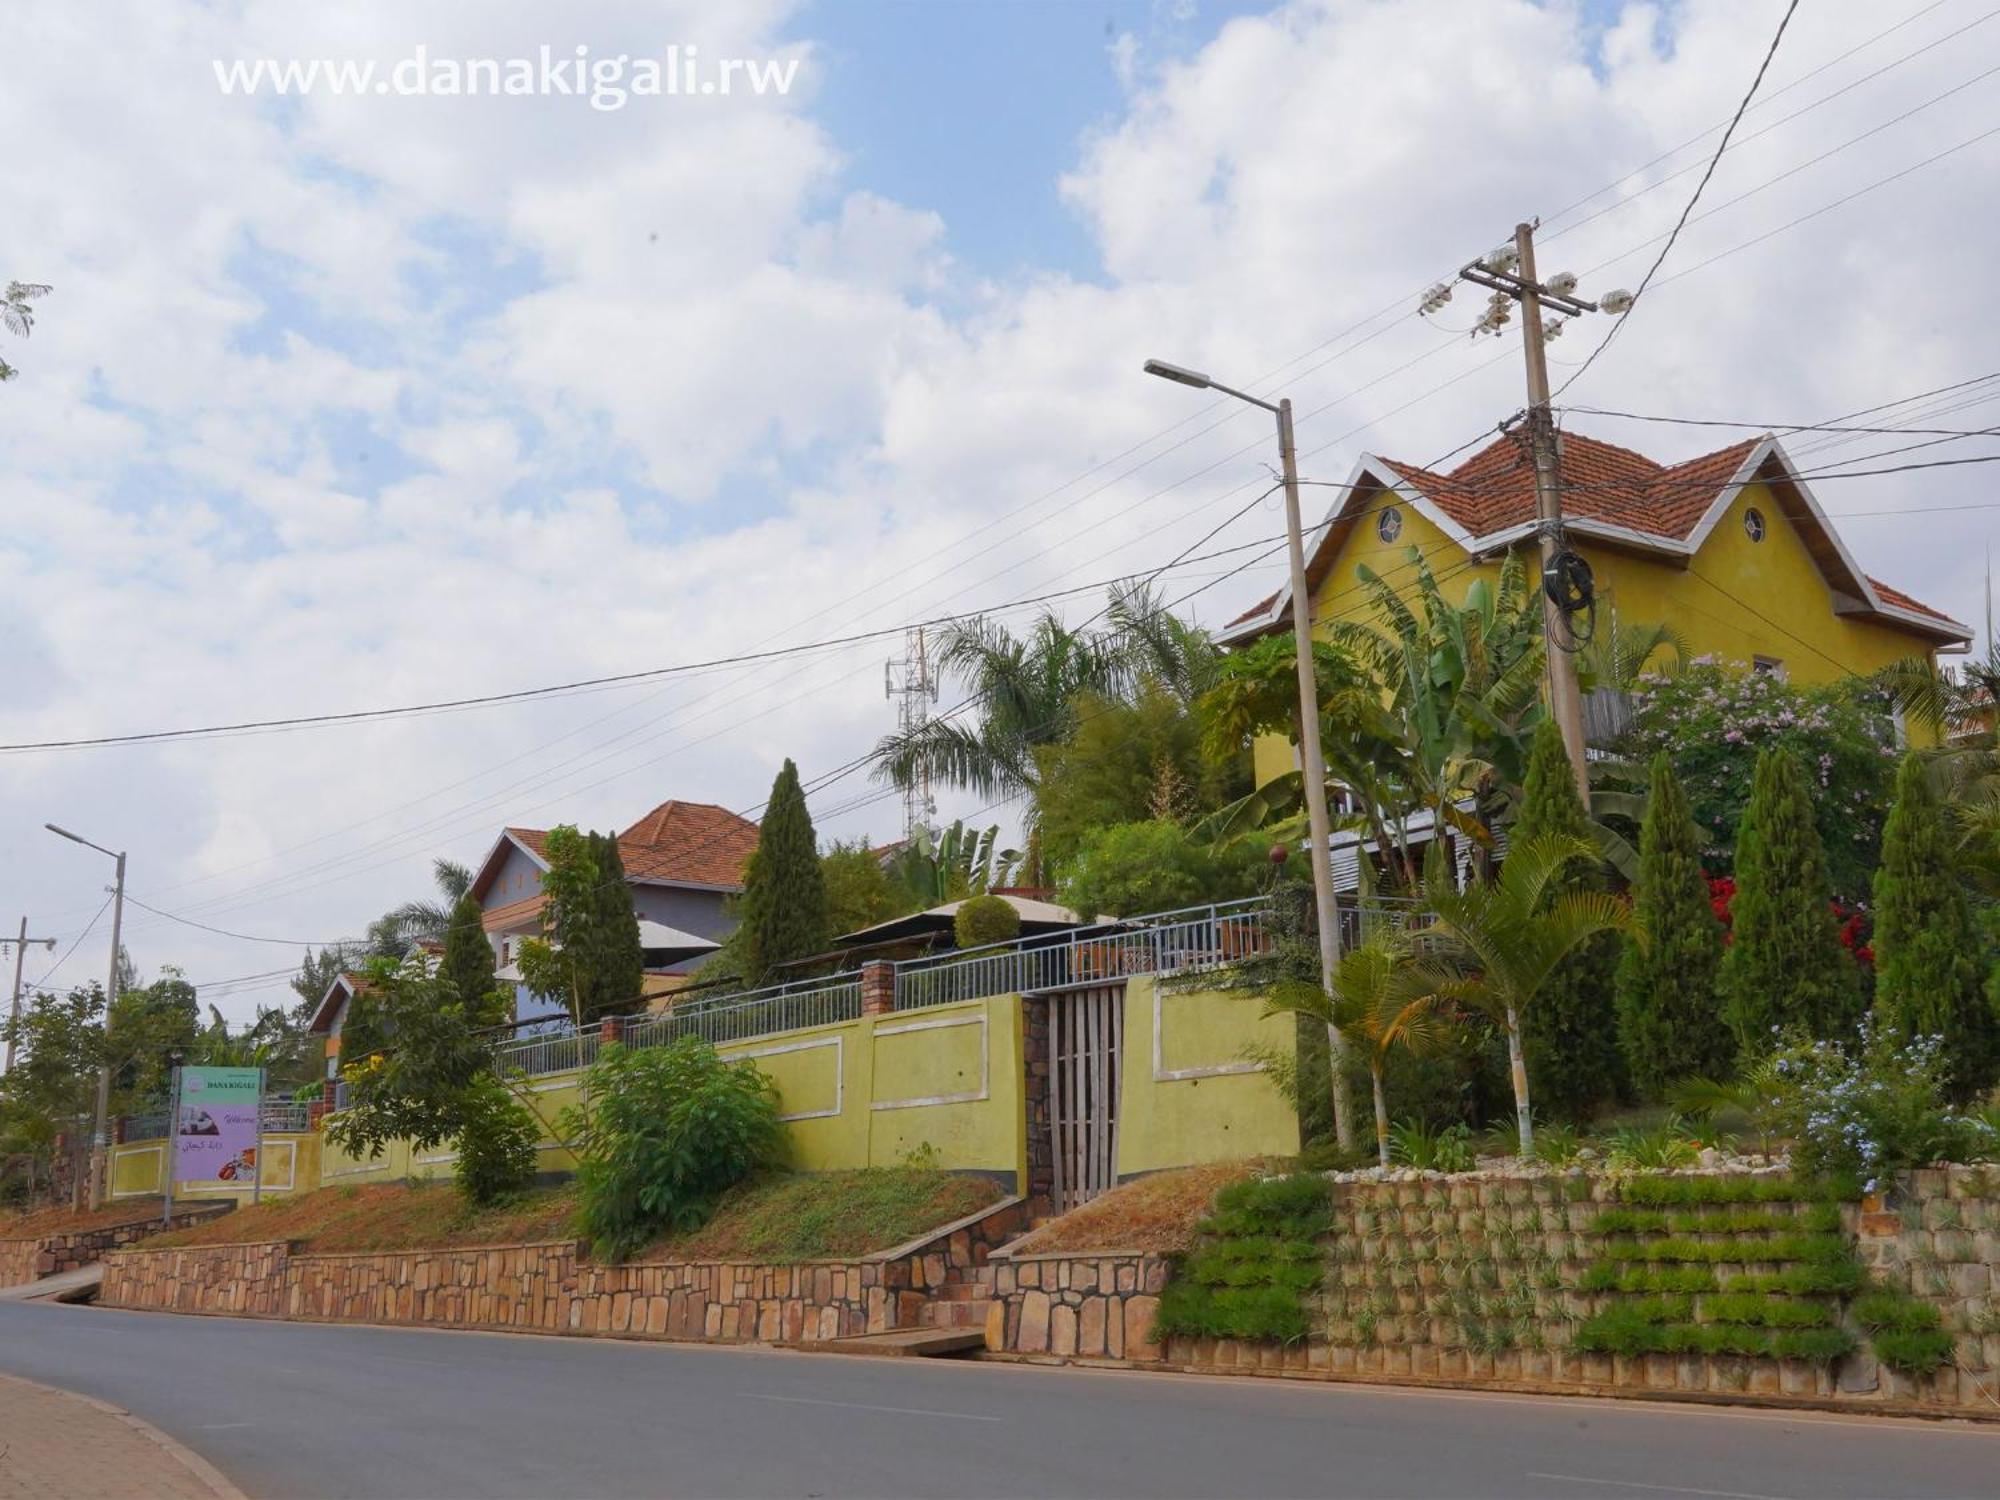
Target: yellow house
1731	549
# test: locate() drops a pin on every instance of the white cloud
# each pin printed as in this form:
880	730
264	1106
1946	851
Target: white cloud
667	383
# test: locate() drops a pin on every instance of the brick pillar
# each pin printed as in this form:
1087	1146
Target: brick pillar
611	1029
118	1131
878	988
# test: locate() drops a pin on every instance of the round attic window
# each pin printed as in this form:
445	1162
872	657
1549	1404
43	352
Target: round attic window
1753	524
1389	525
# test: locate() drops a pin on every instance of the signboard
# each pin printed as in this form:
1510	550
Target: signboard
215	1125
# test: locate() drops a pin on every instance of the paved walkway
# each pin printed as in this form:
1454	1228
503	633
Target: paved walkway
59	1446
79	1285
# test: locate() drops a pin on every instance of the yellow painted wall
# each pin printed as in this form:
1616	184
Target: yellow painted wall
293	1166
951	1078
823	1081
1193	1097
1719	605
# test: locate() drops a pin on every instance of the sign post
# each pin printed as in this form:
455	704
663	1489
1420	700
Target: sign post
173	1137
218	1125
257	1181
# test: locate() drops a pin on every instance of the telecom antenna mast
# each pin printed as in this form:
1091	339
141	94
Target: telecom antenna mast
911	682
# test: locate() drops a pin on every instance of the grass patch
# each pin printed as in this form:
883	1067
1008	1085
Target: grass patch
1637	1279
1913	1351
787	1217
388	1216
828	1215
1161	1213
1821	1218
1672	1191
65	1220
1255	1266
1622	1331
1825	1278
1776	1250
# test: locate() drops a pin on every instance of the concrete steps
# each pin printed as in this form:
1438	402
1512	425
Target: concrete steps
920	1343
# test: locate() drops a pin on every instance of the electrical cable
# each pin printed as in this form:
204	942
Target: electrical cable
1714	161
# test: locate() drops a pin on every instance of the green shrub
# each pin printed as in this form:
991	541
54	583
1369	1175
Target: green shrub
1651	1147
496	1143
1913	1352
1129	869
1413	1143
1257	1263
1895	1312
1823	1218
1831	1278
1872	1108
1769	1311
980	920
661	1132
1610	1278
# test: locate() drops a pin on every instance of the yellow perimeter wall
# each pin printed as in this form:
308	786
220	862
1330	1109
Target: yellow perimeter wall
138	1170
1188	1093
947	1083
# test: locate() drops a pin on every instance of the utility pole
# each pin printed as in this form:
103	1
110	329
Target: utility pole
1510	276
14	1010
1312	761
100	1156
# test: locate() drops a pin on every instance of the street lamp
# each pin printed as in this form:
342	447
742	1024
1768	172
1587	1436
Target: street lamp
100	1149
1312	761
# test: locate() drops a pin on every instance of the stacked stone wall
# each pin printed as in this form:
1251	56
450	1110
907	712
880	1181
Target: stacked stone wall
26	1260
1087	1307
556	1288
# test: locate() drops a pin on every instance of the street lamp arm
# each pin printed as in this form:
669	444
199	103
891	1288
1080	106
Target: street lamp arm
77	838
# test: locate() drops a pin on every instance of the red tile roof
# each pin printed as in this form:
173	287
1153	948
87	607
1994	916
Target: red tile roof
693	842
1495	488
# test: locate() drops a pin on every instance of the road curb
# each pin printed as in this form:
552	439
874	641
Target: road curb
217	1482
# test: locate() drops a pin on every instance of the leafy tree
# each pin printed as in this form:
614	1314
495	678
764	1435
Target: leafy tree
1506	937
1570	1034
1784	967
317	972
1381	1004
1124	763
416	1088
1928	974
588	956
496	1142
145	1027
980	920
467	966
363	1030
52	1088
859	892
17	312
661	1133
784	905
1715	721
1669	1022
1131	869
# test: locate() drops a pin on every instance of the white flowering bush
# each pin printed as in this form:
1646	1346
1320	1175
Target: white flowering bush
1870	1108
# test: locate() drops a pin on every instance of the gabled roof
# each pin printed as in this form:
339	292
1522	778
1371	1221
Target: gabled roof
677	843
1610	494
344	988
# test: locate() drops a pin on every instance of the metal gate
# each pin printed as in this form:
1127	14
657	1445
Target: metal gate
1086	1038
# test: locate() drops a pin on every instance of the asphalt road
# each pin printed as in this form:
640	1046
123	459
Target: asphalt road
291	1409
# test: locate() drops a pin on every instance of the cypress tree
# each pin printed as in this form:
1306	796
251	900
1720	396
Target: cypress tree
1927	974
784	908
1570	1033
467	966
1669	1023
1784	966
612	978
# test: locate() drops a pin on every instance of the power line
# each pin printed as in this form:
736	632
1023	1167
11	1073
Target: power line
50	972
1713	162
1634	416
242	937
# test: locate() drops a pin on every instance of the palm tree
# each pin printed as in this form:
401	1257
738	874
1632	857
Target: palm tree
1023	695
390	935
1492	945
1962	710
1619	653
1380	1001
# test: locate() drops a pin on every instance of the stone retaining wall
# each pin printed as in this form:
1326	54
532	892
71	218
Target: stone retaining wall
555	1288
1393	1311
26	1260
1088	1306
